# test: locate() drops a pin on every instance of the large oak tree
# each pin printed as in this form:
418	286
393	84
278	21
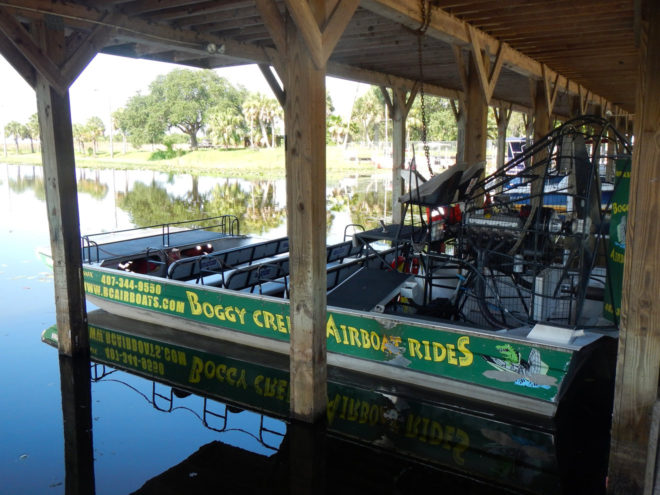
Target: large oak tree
183	99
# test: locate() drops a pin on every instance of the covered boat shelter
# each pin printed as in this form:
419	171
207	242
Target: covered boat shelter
550	60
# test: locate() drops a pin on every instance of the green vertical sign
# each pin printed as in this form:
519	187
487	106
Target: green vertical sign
617	244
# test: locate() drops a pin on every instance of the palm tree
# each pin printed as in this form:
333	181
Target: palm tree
226	126
79	136
251	113
337	129
368	113
33	129
272	112
95	129
15	129
269	110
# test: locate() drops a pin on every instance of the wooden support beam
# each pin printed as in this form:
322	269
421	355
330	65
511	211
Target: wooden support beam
399	106
583	98
476	131
487	78
306	178
17	60
381	79
459	106
144	31
542	123
341	14
86	49
638	361
26	45
502	117
321	40
274	23
304	119
550	89
54	114
302	15
458	109
274	84
451	29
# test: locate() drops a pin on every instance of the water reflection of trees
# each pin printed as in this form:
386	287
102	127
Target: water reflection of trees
367	204
255	207
92	185
35	182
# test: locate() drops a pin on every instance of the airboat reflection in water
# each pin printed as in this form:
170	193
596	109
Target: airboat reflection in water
491	288
399	433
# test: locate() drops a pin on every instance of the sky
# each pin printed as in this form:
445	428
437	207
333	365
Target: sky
108	81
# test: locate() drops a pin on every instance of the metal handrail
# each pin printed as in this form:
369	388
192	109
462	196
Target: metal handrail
86	243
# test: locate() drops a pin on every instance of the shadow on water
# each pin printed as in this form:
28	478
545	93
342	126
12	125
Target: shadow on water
77	425
378	437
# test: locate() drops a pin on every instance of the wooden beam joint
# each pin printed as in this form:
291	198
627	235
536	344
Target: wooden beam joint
488	75
321	38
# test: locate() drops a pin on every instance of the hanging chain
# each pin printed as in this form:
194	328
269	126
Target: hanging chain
426	21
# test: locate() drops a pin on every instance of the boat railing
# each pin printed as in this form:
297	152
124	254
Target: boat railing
86	246
355	227
276	270
228	225
216	263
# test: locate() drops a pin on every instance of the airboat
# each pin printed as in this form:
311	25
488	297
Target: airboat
494	287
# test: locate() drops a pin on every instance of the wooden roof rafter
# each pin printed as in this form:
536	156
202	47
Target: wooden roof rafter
379	37
455	31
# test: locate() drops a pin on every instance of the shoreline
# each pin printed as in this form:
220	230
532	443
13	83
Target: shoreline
245	163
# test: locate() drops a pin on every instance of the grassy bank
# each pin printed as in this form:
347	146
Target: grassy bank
245	163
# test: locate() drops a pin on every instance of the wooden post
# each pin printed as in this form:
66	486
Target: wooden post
478	83
575	106
399	116
307	37
476	130
399	106
639	340
458	109
502	117
305	172
62	203
542	123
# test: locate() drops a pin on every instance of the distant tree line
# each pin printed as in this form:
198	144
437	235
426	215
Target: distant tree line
201	104
30	130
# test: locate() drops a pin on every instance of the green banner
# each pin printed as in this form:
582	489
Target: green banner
617	242
495	362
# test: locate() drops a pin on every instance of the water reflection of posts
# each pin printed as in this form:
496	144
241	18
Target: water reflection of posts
77	421
307	458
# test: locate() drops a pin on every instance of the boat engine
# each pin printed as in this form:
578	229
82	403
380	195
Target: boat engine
530	236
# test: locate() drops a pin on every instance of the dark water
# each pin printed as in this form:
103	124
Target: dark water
146	439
